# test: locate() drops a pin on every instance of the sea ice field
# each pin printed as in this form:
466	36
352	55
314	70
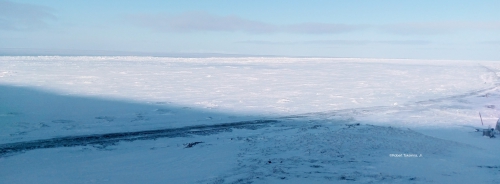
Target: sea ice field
128	119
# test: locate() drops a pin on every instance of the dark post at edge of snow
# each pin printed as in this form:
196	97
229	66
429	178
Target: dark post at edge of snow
481	118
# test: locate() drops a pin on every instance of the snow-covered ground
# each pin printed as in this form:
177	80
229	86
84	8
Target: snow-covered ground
260	120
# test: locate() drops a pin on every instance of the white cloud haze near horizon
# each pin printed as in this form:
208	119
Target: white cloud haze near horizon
166	28
203	21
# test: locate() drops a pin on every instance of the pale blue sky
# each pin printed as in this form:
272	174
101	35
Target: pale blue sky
463	30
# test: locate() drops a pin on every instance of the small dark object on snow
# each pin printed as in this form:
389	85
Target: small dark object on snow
352	125
189	145
490	106
489	132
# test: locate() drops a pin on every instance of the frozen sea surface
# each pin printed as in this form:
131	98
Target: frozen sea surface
262	85
244	120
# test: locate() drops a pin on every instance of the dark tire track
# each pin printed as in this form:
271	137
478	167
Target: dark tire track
108	139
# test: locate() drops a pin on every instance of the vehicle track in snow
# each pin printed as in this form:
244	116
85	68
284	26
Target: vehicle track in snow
108	139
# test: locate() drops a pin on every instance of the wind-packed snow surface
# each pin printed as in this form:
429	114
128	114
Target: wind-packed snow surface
247	120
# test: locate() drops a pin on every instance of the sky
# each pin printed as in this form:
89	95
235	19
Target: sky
455	29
